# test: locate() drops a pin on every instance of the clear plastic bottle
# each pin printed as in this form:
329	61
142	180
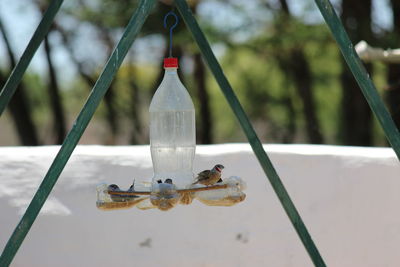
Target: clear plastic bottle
172	129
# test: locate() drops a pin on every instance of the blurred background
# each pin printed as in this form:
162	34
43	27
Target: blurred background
278	55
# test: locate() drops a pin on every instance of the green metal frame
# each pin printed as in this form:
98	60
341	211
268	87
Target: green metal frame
109	73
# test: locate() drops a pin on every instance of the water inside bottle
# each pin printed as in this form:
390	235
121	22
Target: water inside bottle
172	135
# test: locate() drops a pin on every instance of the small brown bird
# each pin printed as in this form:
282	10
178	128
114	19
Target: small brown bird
210	177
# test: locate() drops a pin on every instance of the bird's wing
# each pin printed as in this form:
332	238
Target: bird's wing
203	175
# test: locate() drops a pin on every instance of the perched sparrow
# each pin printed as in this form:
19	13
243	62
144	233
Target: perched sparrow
210	177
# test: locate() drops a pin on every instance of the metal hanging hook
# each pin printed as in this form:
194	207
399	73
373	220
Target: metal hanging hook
172	13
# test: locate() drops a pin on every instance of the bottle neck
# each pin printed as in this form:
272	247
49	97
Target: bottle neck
171	70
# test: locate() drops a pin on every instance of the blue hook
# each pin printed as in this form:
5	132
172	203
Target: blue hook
170	29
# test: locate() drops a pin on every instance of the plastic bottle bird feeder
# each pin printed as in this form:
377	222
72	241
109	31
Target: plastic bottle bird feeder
173	145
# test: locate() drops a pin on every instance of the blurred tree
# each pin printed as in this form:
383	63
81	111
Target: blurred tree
356	123
206	129
55	98
19	105
53	87
99	16
112	117
284	69
284	41
206	124
68	44
296	64
393	92
137	135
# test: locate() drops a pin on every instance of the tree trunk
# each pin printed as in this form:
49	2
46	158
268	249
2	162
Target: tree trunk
290	133
393	94
109	97
297	65
111	112
55	99
356	123
284	7
302	78
19	106
206	125
137	134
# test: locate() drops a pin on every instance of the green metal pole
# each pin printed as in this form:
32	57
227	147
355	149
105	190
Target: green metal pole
255	143
361	75
98	91
16	75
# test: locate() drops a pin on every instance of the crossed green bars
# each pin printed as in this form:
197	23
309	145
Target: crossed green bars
110	71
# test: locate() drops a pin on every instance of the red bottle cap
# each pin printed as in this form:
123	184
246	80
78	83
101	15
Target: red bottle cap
170	62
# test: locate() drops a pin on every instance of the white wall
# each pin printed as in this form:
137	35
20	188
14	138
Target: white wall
348	198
